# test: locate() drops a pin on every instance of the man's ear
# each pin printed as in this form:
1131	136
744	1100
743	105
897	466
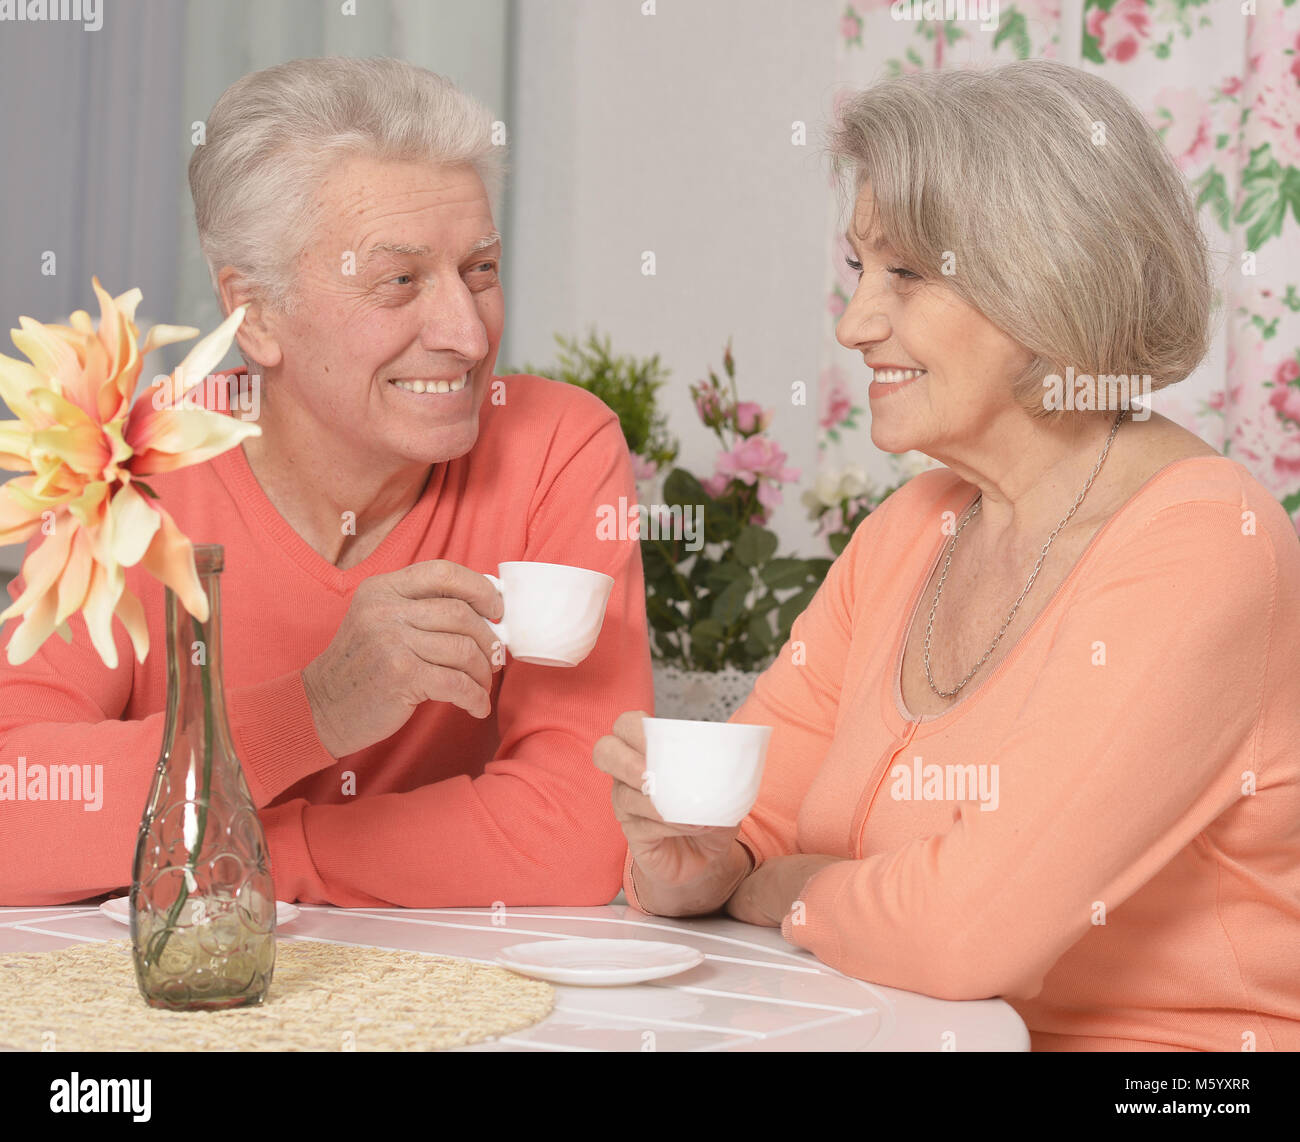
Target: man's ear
256	334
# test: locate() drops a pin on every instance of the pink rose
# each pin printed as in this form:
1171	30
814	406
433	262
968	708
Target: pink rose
755	458
1188	134
836	401
643	469
715	485
1119	30
751	418
1287	402
1287	371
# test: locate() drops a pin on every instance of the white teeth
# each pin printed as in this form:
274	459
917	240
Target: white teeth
433	386
894	376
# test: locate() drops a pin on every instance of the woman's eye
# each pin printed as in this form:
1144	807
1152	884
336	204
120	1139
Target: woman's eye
901	272
854	265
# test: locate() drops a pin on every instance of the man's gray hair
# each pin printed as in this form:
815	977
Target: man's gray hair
273	135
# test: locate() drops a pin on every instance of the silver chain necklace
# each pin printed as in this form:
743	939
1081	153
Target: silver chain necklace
970	515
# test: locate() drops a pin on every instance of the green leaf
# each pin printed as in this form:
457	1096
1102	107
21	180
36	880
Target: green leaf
1211	190
148	491
791	609
706	641
783	573
1268	225
1292	503
681	488
755	545
759	633
1012	27
730	604
838	540
1092	49
662	617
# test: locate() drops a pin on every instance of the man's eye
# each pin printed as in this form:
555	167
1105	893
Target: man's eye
408	277
486	266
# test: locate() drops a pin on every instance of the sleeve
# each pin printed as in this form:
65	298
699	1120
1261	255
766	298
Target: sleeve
1119	757
798	696
537	827
63	707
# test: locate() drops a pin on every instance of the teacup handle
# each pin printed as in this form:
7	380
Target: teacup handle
498	629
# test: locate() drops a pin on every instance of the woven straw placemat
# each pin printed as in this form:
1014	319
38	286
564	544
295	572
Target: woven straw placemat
323	997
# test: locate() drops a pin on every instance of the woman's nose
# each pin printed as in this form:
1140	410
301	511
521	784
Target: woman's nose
863	322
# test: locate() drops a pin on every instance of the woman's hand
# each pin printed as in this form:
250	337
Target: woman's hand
668	855
769	892
410	636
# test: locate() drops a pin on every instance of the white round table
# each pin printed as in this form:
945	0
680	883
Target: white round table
753	992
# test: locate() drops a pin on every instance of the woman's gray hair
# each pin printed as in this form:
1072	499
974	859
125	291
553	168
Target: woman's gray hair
273	135
1058	209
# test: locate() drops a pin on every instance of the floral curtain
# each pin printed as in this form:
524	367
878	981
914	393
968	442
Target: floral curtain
1222	88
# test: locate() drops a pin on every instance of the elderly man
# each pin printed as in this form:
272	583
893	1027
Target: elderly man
394	755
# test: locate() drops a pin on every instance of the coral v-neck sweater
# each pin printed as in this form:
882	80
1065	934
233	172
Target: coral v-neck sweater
1132	881
449	810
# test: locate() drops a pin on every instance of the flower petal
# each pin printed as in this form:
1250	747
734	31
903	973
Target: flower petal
131	611
134	525
74	583
106	584
17	520
171	438
160	335
35	628
41	569
170	559
206	354
17	379
15	447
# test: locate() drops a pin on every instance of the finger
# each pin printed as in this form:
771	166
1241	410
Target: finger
441	578
455	616
614	756
454	651
629	726
444	684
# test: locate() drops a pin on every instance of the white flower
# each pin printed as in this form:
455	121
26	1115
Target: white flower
853	483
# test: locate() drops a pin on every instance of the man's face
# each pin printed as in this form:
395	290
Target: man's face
400	282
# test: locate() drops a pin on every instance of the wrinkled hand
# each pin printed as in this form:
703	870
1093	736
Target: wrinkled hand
670	854
409	636
768	893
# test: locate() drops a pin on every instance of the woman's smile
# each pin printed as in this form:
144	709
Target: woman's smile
886	380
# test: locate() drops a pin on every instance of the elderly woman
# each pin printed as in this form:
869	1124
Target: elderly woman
1038	734
394	756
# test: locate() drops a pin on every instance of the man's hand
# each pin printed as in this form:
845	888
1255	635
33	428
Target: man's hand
767	893
409	636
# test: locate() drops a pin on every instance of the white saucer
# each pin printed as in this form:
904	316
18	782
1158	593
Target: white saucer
119	909
599	963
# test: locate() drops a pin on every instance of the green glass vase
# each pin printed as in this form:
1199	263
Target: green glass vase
202	899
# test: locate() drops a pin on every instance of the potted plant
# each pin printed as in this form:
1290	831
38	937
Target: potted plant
629	386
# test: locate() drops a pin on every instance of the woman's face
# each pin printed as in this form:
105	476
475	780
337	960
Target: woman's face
898	320
400	282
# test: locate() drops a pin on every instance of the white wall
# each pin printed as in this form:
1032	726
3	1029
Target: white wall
672	133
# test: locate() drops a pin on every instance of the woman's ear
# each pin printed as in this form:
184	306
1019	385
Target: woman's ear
256	333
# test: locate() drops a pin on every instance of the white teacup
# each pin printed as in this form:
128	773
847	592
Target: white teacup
703	773
553	612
